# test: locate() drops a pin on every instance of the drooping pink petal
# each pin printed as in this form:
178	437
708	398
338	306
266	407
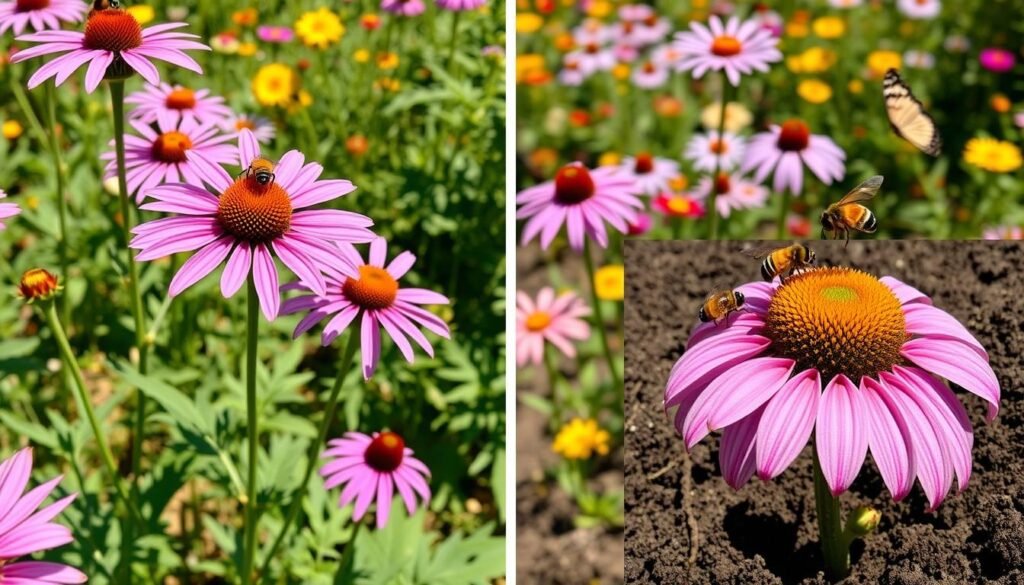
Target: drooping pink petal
41	573
385	491
787	423
904	292
841	437
959	363
236	270
705	361
264	273
737	453
888	441
927	321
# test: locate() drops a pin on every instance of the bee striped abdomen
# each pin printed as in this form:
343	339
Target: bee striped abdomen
768	268
703	315
870	223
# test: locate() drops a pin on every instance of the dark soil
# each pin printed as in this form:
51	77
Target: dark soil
550	550
685	525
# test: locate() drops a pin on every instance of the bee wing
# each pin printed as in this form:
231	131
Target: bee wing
761	252
862	192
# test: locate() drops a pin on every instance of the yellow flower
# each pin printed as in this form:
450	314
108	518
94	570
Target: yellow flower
528	22
679	183
829	27
814	91
528	64
361	55
581	439
12	129
996	156
274	84
1001	104
737	116
796	29
388	84
142	13
610	282
881	61
247	49
621	72
319	28
609	159
387	60
855	86
813	60
600	8
246	17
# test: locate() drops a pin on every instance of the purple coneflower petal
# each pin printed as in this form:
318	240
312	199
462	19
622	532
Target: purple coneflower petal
959	363
737	452
42	572
787	423
264	273
927	321
904	292
841	437
385	491
888	441
236	270
749	323
199	265
365	497
704	362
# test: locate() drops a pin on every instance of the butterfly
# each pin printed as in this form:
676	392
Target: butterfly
907	116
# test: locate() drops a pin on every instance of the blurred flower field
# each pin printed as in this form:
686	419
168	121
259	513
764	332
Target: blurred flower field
341	419
612	84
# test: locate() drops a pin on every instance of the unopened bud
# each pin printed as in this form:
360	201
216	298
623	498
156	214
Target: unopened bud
863	521
38	285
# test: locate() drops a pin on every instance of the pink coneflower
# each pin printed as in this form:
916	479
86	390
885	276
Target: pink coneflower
785	149
641	226
732	192
650	175
650	75
162	155
582	200
591	32
246	223
24	531
275	34
1003	232
844	4
737	48
558	321
7	210
877	347
666	56
460	5
769	20
114	45
677	205
175	104
705	151
571	75
371	468
262	128
41	14
919	9
592	58
368	294
403	7
997	60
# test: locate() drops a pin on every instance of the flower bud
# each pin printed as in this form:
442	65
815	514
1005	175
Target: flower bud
863	521
38	285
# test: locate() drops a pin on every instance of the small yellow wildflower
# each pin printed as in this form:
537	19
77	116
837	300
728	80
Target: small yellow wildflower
245	17
387	61
881	61
1001	104
609	159
814	91
527	64
388	84
361	55
813	60
796	29
581	439
564	42
678	183
610	282
621	72
319	28
829	27
996	156
600	8
303	99
737	116
247	49
142	13
528	22
855	86
274	84
12	129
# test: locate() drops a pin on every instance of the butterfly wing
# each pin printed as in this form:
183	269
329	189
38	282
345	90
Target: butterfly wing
862	192
907	116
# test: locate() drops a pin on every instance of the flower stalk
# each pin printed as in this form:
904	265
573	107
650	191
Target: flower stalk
62	204
599	317
252	491
311	458
834	538
711	209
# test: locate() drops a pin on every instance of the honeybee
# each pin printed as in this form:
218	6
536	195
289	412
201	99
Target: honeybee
848	214
719	304
782	262
99	5
263	171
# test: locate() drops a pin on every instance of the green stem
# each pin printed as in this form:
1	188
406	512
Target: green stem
314	448
556	402
835	546
599	317
53	320
712	210
62	204
780	232
454	43
251	518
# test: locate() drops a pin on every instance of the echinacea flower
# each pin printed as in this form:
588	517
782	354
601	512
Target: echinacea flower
994	156
558	321
162	156
367	295
247	223
650	75
731	192
997	60
650	175
856	360
786	149
371	469
592	58
460	5
737	47
175	104
706	151
581	439
919	9
403	7
262	128
41	14
114	45
7	210
25	531
582	200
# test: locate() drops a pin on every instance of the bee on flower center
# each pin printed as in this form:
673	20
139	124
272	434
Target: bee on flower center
262	170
